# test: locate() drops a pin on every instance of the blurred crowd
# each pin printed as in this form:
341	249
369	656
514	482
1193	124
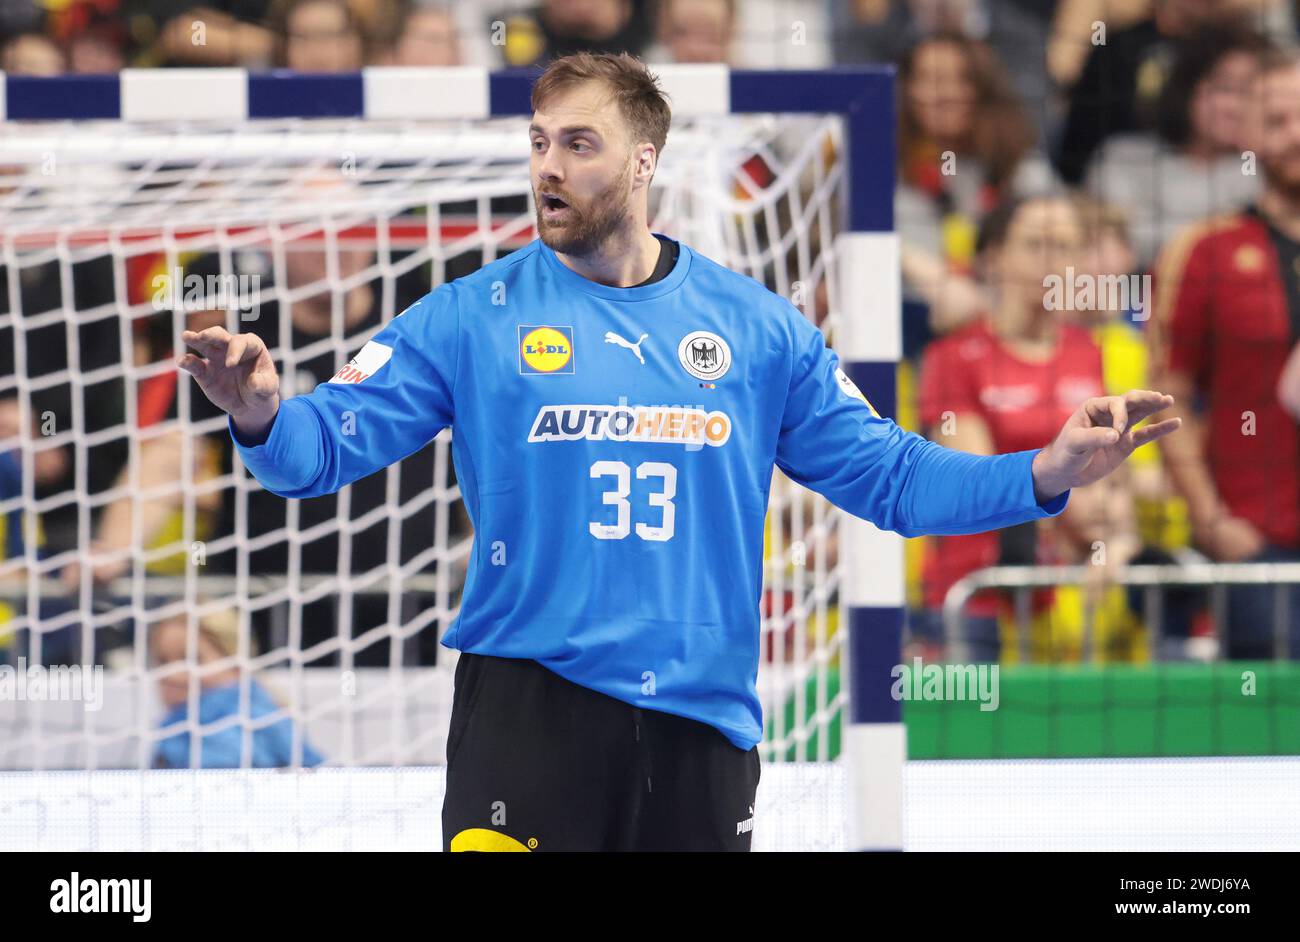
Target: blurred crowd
1093	196
1112	205
49	37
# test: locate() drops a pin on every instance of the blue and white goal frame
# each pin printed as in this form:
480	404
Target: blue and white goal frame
870	334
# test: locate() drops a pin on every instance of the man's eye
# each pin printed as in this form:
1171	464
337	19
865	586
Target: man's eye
539	144
580	146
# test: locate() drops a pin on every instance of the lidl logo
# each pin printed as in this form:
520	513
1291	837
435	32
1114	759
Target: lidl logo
545	349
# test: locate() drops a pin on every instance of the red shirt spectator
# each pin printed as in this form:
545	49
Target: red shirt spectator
1222	320
1023	403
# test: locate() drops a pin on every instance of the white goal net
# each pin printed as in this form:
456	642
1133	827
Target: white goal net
235	628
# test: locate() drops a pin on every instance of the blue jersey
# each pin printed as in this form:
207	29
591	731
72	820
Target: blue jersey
615	448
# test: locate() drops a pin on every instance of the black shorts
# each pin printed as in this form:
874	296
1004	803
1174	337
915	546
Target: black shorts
536	762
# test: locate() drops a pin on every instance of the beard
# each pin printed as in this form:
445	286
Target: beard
1283	175
585	226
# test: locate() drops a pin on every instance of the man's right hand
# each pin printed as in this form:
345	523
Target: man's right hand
237	374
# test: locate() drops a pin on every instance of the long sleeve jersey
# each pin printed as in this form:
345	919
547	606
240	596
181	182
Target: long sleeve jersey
615	447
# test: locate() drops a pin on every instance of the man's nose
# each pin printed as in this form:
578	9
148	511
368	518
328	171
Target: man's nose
549	166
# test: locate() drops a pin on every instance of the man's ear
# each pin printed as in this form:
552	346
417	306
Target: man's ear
647	160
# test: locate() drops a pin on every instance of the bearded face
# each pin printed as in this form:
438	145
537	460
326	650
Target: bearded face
584	162
1273	129
572	224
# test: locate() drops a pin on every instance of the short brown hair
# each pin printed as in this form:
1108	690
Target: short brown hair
1278	59
640	99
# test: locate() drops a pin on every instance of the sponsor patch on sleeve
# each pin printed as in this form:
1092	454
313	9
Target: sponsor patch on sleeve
850	389
365	364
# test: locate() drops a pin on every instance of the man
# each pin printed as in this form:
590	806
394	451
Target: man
696	30
605	694
1226	316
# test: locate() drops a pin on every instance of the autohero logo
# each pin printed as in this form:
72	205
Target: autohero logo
676	425
76	895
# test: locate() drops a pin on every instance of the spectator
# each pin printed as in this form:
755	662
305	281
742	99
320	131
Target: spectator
320	36
31	54
223	33
1119	308
37	294
1019	31
159	471
427	37
1122	78
48	464
1004	383
1226	316
301	342
965	144
62	403
1093	621
18	525
219	698
310	352
695	31
1108	253
869	31
560	27
95	34
1192	166
98	36
1074	32
1101	620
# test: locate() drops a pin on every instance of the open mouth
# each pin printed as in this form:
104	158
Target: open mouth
553	206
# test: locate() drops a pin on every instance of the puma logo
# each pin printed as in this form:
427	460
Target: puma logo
611	337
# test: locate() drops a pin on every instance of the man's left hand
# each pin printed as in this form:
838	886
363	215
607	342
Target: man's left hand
1096	440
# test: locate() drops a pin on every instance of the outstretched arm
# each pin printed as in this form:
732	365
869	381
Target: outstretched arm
833	442
389	401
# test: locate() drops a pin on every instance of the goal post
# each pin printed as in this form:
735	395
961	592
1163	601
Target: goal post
787	176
